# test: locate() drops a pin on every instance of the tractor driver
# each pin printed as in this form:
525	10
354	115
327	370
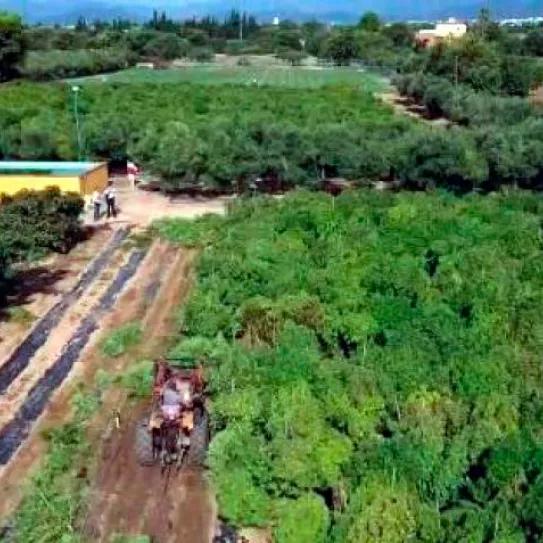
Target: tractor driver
171	396
177	395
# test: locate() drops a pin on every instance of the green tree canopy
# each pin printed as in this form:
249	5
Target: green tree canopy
370	22
342	47
11	44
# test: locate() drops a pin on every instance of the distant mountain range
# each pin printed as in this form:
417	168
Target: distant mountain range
340	11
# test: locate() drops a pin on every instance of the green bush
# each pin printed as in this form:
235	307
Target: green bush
166	46
138	379
12	44
56	495
305	520
33	223
122	339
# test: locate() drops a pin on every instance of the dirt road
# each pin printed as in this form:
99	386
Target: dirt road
128	499
403	106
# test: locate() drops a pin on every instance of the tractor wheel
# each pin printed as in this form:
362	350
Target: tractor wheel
199	439
144	443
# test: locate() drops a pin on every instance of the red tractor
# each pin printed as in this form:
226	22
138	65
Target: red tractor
176	431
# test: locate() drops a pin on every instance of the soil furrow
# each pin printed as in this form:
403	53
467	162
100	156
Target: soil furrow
21	357
13	398
16	431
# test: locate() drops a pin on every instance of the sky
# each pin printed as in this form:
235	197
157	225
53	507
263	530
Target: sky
327	10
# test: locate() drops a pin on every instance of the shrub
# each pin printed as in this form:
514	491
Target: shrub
304	520
122	339
292	56
12	44
33	223
166	46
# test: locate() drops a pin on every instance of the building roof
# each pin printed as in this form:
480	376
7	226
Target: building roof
59	169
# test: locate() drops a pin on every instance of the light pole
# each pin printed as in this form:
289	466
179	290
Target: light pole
75	91
240	20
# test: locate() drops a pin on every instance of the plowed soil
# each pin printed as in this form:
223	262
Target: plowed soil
168	507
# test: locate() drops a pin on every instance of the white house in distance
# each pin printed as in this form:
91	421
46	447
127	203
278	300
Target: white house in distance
450	30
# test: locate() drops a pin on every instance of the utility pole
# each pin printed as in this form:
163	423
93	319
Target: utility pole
456	81
75	91
485	20
240	20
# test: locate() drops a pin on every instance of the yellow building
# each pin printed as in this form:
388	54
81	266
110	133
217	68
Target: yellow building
81	177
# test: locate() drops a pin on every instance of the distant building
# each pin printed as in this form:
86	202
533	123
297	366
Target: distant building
524	21
450	30
276	21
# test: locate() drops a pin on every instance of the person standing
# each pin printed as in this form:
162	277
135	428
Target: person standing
132	171
110	196
97	205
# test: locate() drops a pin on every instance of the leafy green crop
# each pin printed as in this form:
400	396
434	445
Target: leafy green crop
377	352
121	339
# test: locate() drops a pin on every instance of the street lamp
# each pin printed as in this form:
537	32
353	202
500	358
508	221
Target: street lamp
240	20
76	90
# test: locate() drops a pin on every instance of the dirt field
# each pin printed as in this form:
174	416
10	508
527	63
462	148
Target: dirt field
43	285
103	284
126	498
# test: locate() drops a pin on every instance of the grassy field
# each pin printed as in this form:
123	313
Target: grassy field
275	76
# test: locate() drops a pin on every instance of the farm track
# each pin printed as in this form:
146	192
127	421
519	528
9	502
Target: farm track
130	304
126	498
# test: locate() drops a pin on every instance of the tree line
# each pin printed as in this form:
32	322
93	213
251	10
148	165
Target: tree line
228	138
164	39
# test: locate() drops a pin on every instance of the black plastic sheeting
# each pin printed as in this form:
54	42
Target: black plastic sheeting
21	357
17	430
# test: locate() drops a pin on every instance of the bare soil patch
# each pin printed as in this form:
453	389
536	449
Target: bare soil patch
129	499
140	208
